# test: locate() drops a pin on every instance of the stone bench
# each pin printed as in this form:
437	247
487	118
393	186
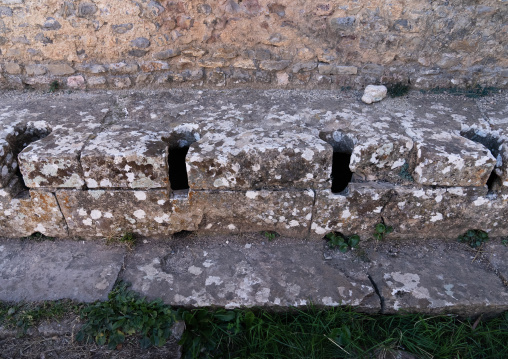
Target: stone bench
301	163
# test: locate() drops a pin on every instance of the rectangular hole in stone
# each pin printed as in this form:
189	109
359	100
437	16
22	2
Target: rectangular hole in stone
341	174
177	169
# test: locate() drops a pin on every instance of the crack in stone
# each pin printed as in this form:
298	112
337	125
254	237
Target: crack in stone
61	212
312	212
376	289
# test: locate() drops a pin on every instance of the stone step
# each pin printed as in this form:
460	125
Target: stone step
231	271
302	163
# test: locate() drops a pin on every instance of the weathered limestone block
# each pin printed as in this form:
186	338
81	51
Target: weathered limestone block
232	275
355	213
113	213
450	160
286	212
23	212
128	158
382	158
259	159
436	280
54	161
439	213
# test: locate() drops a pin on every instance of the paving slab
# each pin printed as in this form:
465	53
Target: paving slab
436	278
243	273
53	270
497	255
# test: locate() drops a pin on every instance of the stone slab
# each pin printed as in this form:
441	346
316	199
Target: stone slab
497	255
113	213
24	212
54	161
125	158
436	278
34	271
259	159
285	212
243	273
355	212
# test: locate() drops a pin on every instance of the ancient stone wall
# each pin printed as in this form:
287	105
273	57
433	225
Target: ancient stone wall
254	43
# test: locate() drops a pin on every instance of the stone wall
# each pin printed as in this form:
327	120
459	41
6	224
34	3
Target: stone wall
254	43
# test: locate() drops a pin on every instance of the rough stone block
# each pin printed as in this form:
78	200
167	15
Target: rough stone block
286	212
84	271
127	158
23	212
436	280
449	160
357	212
259	159
60	69
244	275
12	68
113	213
328	69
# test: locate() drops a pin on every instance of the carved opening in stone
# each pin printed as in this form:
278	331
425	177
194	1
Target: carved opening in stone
493	144
341	174
179	142
177	169
343	145
32	132
182	234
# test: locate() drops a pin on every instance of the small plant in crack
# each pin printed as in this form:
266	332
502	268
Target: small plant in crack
342	242
53	86
271	235
38	237
504	242
381	230
128	239
405	174
474	237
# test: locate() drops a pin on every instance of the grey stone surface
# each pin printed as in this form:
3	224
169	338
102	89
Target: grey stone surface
436	278
497	255
232	274
34	271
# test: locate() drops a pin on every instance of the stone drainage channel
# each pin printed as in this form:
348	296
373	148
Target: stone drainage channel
301	163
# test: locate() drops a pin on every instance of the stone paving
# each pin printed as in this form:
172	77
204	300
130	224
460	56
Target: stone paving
436	276
220	162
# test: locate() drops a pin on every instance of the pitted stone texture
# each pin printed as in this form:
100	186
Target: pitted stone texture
113	213
450	160
125	158
23	212
35	271
14	136
259	159
444	212
54	160
496	110
437	278
357	212
497	255
248	274
286	212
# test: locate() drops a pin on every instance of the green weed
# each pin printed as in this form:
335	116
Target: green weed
271	235
54	86
343	243
123	314
38	237
25	315
128	239
381	231
474	237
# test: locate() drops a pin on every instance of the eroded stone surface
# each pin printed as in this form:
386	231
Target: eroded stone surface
34	271
113	213
24	212
54	160
445	212
355	212
252	274
259	159
286	212
436	279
